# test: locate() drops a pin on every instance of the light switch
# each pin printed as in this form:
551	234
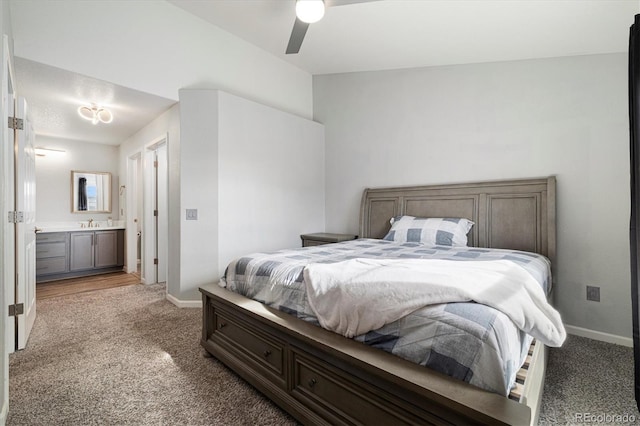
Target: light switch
192	214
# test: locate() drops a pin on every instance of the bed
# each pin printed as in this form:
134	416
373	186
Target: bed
321	377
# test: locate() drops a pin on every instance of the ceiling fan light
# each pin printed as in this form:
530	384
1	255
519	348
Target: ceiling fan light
85	112
309	11
104	115
95	115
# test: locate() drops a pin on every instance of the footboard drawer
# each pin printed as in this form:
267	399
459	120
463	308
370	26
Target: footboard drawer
322	378
260	349
341	398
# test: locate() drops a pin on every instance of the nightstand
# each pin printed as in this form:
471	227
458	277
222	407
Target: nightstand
320	238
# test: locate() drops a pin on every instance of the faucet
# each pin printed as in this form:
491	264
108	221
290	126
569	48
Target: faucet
90	223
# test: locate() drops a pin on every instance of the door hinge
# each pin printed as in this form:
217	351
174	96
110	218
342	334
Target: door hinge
155	261
155	212
15	217
17	309
16	123
155	164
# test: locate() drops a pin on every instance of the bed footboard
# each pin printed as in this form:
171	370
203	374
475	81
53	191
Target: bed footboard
320	377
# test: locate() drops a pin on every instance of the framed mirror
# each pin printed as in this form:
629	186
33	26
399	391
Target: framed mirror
90	192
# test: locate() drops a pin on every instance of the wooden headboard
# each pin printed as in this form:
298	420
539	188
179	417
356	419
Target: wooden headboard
513	214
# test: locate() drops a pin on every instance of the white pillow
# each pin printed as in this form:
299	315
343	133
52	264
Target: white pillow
446	231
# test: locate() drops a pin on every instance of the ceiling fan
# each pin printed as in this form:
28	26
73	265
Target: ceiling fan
308	12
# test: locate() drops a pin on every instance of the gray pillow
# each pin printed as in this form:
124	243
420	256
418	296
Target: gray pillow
444	231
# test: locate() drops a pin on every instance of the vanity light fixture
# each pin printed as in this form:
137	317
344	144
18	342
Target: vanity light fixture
95	114
43	152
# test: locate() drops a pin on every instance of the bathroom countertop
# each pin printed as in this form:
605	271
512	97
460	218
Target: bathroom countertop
40	230
46	227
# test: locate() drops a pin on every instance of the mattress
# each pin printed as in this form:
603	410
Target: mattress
468	341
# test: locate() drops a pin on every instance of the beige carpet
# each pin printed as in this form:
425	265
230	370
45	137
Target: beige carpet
126	356
589	382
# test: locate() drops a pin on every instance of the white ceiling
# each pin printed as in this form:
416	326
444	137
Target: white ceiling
375	35
390	34
54	95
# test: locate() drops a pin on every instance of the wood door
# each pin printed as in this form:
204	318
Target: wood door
81	251
25	229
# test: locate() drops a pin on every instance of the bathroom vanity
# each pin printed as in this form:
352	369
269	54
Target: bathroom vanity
86	247
65	253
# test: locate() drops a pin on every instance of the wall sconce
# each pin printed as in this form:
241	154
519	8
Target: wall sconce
95	115
43	152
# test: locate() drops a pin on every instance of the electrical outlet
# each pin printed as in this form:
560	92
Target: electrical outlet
192	214
593	293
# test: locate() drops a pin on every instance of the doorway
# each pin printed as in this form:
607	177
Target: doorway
155	234
147	212
133	213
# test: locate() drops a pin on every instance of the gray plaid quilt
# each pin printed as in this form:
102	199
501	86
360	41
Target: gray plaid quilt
467	341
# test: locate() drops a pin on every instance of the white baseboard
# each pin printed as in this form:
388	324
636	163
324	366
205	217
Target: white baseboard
184	303
599	335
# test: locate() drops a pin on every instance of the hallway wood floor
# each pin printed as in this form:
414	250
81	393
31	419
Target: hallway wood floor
84	284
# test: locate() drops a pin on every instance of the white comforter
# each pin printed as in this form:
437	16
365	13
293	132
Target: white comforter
359	295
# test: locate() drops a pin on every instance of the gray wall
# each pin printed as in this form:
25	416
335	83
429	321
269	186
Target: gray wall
270	178
53	178
565	116
256	176
167	124
198	163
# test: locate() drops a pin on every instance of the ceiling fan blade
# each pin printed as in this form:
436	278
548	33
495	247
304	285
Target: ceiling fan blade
332	3
297	36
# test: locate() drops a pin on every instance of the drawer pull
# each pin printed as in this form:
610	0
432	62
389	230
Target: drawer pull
223	325
312	383
266	353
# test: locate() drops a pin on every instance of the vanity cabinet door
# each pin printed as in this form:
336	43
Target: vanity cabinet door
106	249
82	244
51	254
